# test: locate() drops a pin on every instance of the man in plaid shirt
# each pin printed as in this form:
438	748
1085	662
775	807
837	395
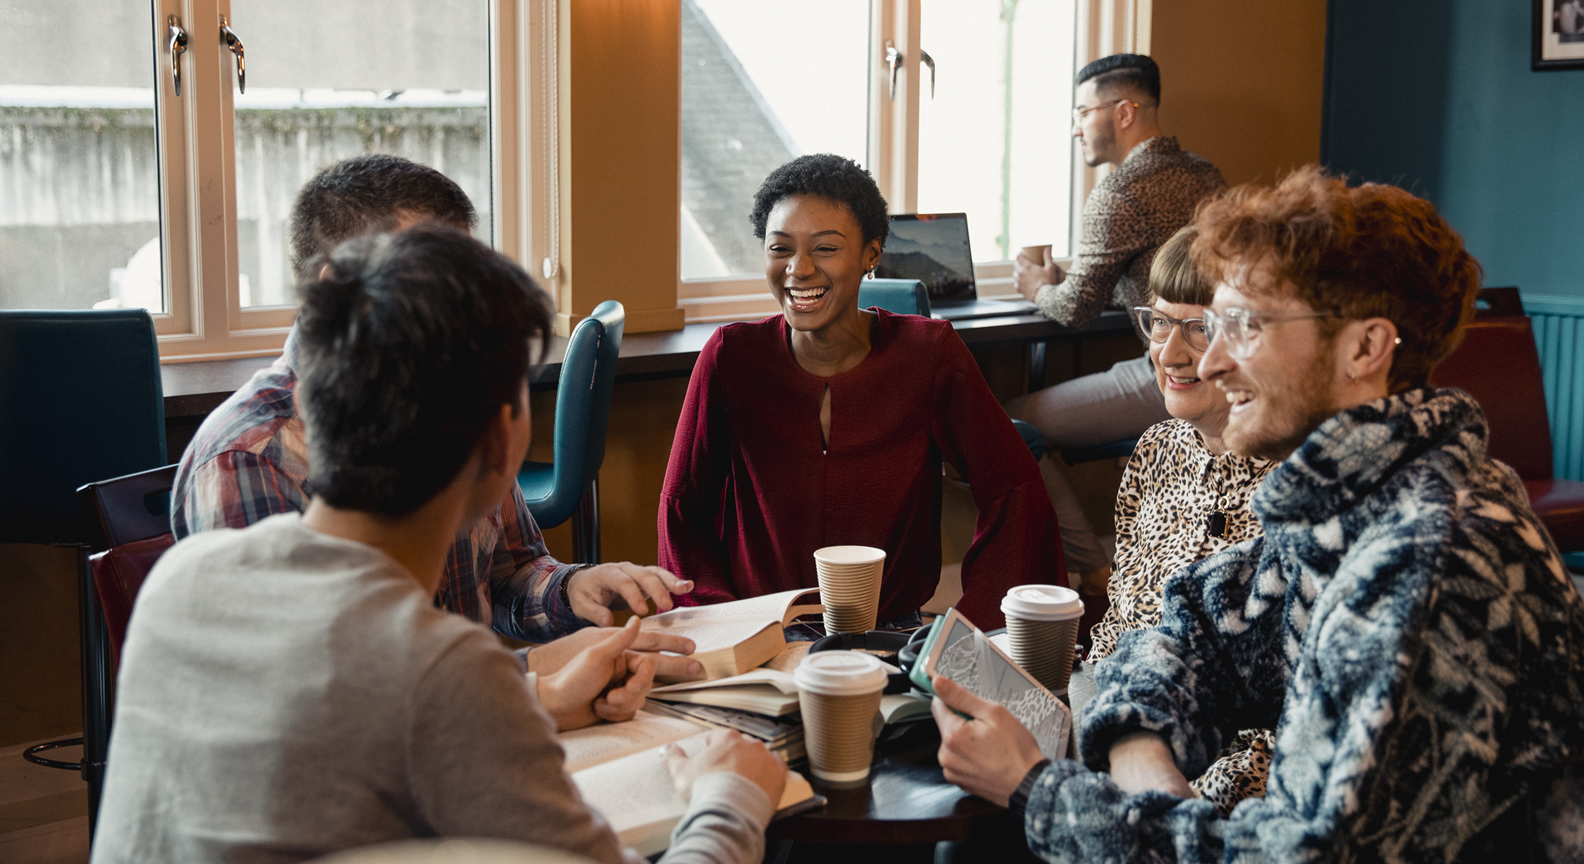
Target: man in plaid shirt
249	459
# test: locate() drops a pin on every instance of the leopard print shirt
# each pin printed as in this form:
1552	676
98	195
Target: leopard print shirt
1169	490
1126	218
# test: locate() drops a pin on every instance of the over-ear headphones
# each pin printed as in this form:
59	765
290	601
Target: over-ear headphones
898	649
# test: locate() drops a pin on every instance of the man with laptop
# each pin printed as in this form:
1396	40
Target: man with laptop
1151	193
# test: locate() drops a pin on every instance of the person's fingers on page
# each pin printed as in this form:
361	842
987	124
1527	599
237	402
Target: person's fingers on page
667	666
653	642
957	696
739	754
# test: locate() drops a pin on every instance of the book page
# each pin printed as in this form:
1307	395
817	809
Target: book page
770	607
707	634
789	658
604	742
638	798
779	680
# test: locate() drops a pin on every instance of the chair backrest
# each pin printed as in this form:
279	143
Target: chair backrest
1497	363
901	296
588	373
132	515
80	399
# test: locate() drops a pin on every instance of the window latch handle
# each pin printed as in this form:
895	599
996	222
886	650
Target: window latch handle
229	36
893	59
176	43
930	62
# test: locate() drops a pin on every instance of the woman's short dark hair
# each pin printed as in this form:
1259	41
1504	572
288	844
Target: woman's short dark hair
407	348
829	176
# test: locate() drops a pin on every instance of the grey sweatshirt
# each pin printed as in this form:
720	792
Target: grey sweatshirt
284	694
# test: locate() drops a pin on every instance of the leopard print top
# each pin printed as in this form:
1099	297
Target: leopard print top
1126	218
1171	487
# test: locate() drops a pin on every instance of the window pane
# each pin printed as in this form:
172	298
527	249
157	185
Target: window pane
762	83
331	79
994	142
79	166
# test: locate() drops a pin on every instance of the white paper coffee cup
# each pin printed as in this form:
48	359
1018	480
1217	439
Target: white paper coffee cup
839	694
849	582
1042	631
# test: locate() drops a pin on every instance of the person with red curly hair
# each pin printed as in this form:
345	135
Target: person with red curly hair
1405	624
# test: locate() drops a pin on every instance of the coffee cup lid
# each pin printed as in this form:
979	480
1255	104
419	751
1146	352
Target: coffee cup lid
1042	603
849	555
840	673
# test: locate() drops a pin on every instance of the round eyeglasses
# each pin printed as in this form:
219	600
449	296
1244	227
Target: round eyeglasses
1159	327
1242	327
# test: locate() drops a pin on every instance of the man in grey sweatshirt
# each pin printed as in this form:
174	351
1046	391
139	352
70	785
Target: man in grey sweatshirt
289	689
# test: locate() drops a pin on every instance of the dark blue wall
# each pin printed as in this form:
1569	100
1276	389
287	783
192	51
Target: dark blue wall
1439	98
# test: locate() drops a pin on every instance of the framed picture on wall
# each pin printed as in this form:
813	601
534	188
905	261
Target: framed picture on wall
1558	34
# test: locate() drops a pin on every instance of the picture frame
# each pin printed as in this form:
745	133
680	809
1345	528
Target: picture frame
1558	35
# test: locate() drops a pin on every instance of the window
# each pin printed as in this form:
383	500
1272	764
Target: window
985	131
120	191
79	160
388	91
1003	69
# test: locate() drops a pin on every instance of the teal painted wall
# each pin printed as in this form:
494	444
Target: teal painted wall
1439	98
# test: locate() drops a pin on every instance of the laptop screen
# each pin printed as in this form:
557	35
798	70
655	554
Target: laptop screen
932	248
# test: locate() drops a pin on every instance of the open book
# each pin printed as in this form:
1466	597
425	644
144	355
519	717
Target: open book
632	788
731	638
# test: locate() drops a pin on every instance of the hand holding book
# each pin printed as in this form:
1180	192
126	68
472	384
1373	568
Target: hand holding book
988	752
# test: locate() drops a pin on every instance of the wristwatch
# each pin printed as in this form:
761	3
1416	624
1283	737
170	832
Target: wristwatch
566	583
1019	801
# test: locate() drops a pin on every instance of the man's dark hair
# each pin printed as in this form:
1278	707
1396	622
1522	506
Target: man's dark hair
827	175
366	195
1133	72
407	348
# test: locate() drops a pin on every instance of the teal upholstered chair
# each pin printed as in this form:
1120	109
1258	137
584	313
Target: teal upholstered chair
80	400
900	296
569	486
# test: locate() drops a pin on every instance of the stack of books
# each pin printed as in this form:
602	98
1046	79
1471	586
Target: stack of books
762	703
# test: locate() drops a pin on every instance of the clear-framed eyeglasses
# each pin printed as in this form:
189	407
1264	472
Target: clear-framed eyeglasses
1242	327
1081	111
1159	327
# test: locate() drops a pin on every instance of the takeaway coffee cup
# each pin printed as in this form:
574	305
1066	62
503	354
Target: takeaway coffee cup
849	583
1034	253
1042	631
839	695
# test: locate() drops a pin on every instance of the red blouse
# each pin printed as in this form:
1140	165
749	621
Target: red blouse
750	491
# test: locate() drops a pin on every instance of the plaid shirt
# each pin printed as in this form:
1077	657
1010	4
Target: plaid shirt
249	459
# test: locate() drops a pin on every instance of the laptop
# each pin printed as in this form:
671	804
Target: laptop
933	248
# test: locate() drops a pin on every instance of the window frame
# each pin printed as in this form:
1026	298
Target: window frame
203	317
1103	27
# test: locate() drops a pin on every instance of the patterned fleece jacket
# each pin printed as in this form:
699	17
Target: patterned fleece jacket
1406	626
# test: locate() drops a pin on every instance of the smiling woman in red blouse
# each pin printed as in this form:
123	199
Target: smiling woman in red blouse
828	424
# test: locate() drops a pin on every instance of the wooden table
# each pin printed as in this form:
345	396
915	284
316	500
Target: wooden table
192	390
906	809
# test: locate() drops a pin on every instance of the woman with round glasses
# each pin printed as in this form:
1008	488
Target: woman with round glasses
1183	496
827	425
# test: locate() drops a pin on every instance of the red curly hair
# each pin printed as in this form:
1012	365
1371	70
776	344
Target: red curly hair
1362	252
